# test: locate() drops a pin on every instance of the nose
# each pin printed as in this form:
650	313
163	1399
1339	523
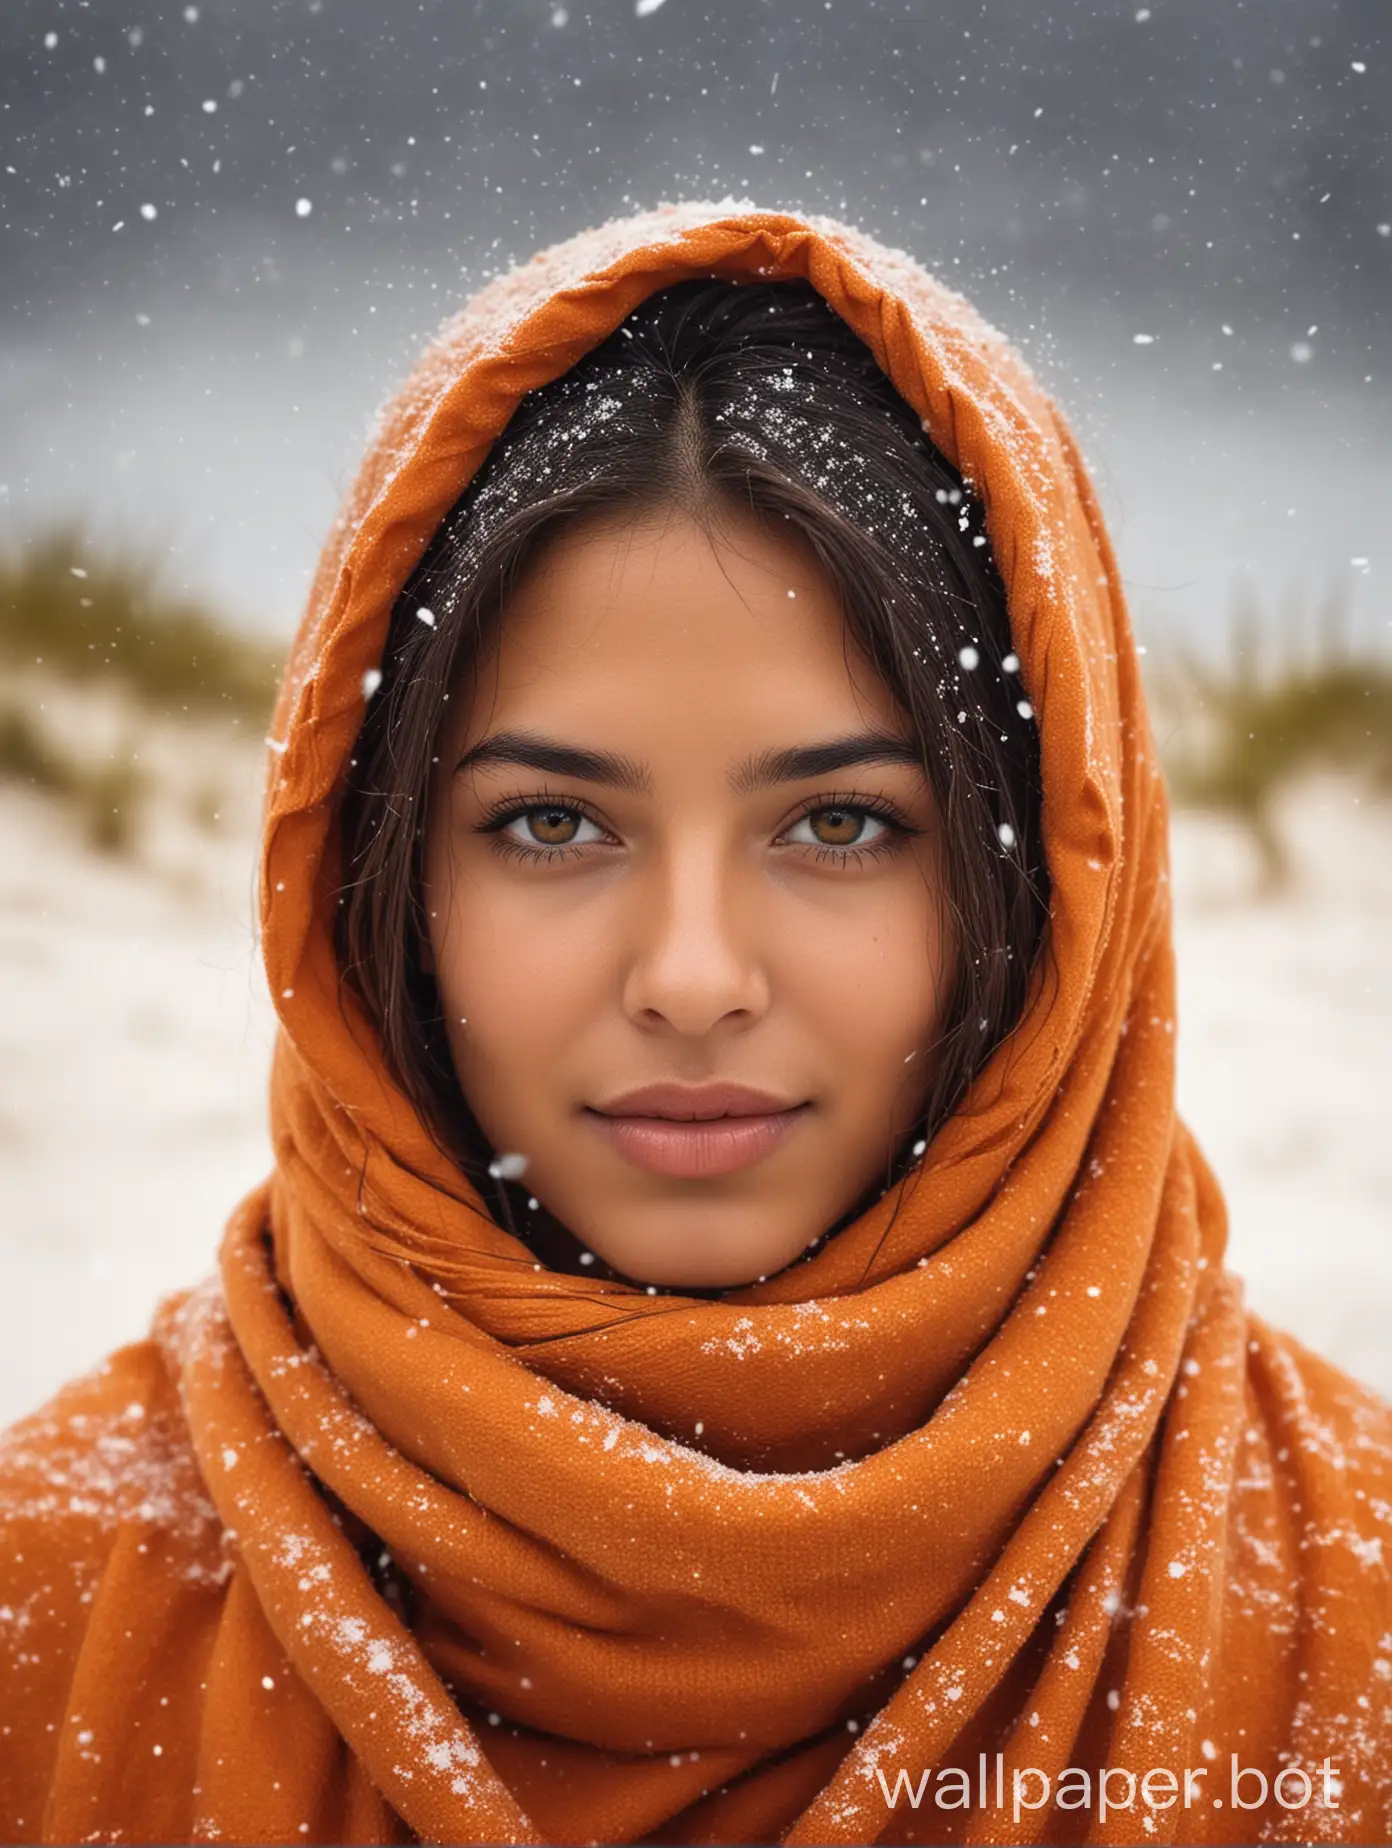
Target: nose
694	963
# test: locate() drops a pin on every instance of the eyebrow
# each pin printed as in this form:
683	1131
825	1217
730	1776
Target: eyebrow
761	770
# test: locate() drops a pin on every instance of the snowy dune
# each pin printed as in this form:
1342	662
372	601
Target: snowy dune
135	1032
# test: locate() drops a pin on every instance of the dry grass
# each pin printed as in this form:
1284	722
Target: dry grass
107	796
1282	702
99	619
87	613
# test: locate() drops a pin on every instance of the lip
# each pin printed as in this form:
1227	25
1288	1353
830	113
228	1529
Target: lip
695	1102
697	1149
695	1132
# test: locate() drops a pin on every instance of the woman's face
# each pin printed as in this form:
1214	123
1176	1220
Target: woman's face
678	843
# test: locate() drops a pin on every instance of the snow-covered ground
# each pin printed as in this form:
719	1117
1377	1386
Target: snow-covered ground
135	1032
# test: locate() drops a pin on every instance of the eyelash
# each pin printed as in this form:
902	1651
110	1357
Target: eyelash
511	808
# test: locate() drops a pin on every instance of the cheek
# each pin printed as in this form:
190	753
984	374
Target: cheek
525	981
874	989
875	1000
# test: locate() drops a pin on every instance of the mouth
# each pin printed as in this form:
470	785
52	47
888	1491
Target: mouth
695	1150
696	1133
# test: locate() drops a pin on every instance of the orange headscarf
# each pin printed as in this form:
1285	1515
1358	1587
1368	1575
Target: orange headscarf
391	1532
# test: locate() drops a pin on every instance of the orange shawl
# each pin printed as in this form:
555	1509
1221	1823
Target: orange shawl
389	1533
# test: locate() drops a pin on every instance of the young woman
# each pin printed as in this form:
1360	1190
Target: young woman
735	1346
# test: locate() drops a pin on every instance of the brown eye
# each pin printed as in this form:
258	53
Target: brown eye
556	827
543	829
839	827
836	827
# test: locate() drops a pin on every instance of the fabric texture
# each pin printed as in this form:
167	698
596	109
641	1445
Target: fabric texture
389	1533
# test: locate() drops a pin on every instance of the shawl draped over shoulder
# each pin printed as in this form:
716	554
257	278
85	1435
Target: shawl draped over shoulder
387	1533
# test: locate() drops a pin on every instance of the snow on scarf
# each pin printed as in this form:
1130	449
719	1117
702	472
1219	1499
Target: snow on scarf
1005	1468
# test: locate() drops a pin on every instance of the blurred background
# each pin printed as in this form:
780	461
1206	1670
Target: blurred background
229	226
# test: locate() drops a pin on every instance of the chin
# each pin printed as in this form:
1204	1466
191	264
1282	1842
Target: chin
694	1259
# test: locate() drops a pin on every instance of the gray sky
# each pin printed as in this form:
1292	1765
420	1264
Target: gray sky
203	376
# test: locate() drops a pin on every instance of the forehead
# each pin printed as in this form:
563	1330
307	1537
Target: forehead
647	624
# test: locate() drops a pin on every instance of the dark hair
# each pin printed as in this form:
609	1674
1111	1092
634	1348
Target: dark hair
717	397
